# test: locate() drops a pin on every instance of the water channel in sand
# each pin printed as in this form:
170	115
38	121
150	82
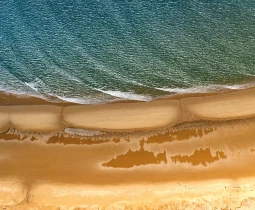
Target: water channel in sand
112	167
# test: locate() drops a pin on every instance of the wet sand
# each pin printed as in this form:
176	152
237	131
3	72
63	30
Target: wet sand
71	176
163	154
136	116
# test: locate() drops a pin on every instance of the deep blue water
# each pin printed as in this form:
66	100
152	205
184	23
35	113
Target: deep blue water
96	50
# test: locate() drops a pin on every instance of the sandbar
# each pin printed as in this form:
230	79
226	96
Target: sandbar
128	116
232	105
123	116
4	119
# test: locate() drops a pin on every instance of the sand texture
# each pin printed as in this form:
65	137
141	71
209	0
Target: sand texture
222	195
232	105
193	166
128	116
31	118
37	118
4	119
182	153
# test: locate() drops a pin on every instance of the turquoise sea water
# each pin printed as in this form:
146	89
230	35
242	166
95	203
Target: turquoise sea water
93	51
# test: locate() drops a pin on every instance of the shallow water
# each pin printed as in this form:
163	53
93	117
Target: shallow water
98	51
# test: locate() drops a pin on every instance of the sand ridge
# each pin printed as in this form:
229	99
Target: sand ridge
36	118
233	105
119	117
4	119
123	116
31	118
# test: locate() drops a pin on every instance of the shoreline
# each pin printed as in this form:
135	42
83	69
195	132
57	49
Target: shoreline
10	98
125	116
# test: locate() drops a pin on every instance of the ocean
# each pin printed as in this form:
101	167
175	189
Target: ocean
96	51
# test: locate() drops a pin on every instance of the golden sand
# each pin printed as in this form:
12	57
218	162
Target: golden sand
40	118
58	176
232	105
223	195
123	116
128	116
189	163
31	118
4	119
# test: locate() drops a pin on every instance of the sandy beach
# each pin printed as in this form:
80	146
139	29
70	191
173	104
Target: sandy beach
178	153
127	105
124	116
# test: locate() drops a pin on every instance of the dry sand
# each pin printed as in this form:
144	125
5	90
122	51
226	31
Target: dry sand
222	195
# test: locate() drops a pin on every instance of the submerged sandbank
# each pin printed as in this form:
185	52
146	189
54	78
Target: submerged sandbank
128	116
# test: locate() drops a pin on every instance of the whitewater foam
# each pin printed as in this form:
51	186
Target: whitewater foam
126	95
122	47
78	100
106	96
207	89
